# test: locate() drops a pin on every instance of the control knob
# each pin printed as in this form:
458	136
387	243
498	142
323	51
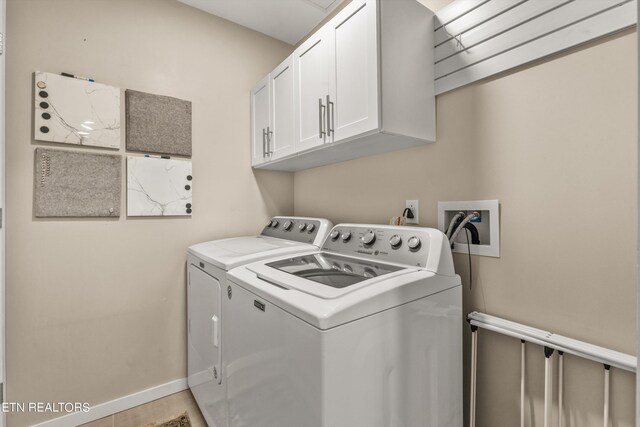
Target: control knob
369	237
287	225
395	241
270	224
346	236
302	227
274	223
334	234
310	228
414	243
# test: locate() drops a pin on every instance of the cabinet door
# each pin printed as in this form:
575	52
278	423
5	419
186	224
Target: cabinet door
280	137
311	65
353	107
260	101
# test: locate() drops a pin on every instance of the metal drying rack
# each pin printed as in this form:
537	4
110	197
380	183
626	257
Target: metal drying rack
550	342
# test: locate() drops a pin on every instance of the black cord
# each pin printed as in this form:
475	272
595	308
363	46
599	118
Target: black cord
475	236
466	231
407	213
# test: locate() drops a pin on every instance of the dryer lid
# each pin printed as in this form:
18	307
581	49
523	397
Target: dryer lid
229	253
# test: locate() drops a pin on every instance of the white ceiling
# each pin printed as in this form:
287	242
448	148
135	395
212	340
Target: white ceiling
286	20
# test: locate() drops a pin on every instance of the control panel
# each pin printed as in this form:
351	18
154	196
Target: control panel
298	229
402	245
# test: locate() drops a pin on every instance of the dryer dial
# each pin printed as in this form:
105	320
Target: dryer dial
302	227
346	236
287	225
334	234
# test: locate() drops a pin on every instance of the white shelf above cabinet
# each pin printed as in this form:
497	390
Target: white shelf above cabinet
363	85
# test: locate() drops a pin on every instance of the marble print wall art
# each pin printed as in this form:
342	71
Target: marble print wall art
76	111
159	187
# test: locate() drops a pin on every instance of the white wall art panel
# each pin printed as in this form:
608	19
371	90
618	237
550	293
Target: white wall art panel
159	187
76	111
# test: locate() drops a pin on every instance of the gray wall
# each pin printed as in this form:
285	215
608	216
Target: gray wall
96	308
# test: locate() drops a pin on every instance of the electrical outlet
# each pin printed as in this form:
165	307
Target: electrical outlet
415	208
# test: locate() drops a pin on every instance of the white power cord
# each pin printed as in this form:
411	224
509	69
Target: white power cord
464	222
455	218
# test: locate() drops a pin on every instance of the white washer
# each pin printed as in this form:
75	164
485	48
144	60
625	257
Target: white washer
366	332
208	293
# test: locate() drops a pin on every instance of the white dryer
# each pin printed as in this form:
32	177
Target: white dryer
366	332
208	294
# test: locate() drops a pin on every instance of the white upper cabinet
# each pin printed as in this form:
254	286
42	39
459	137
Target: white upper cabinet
311	64
337	78
363	85
353	82
272	125
260	101
281	139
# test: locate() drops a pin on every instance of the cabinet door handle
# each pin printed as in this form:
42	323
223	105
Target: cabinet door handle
264	143
269	146
321	112
330	130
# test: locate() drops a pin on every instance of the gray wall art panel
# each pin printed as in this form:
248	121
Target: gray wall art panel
158	124
73	184
75	111
159	187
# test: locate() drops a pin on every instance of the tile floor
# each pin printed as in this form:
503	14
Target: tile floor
156	411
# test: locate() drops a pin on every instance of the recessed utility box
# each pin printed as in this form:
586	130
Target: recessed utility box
487	226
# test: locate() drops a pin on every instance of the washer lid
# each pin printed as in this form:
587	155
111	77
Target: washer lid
325	307
333	270
229	253
329	282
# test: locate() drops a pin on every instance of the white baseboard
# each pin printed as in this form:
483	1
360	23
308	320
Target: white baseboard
117	405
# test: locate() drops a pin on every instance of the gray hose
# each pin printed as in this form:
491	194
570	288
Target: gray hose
453	221
464	222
